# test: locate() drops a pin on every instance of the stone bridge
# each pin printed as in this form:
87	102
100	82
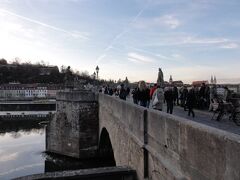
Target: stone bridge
155	144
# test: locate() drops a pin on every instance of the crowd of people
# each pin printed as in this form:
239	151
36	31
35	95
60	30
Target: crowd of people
203	97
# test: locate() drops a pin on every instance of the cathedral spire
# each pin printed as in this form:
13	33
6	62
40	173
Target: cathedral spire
215	80
212	80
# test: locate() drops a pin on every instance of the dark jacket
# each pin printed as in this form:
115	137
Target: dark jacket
169	96
123	94
191	98
135	93
143	95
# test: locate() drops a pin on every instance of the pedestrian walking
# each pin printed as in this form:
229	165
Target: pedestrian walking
152	90
135	95
184	97
191	101
158	99
202	96
143	94
168	95
122	92
175	95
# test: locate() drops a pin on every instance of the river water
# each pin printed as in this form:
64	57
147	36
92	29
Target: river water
22	152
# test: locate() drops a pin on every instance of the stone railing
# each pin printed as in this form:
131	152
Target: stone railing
174	147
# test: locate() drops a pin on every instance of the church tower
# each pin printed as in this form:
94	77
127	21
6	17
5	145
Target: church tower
215	80
211	80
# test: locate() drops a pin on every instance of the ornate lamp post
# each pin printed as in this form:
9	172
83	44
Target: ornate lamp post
97	70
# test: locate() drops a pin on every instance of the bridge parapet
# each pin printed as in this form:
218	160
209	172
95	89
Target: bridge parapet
157	145
126	113
163	146
192	150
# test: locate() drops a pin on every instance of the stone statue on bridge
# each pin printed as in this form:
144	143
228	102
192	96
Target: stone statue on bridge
160	80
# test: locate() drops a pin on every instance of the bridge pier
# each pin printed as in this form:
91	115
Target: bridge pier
74	129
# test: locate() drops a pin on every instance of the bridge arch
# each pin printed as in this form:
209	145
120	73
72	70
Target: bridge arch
105	147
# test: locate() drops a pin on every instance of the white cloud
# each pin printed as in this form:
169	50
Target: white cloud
100	58
200	40
147	52
168	21
179	39
230	46
158	55
138	58
176	56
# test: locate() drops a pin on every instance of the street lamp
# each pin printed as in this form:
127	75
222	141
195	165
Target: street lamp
97	70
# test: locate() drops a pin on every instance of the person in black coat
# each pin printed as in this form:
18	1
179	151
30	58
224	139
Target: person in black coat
202	95
143	94
135	95
175	93
191	101
169	97
122	93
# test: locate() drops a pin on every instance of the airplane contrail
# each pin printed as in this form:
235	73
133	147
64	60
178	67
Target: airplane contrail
120	34
45	25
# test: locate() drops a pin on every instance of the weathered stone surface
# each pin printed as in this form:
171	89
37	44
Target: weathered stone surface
107	173
74	129
157	145
232	149
80	95
177	148
163	146
123	131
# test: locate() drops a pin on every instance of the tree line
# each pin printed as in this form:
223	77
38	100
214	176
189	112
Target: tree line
28	73
41	72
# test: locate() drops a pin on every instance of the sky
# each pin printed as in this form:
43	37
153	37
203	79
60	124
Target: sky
188	39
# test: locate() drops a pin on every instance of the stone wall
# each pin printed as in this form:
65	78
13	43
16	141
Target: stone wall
124	123
107	173
162	146
74	129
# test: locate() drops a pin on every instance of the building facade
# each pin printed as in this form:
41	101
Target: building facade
28	91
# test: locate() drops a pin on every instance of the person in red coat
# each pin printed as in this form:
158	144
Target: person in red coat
152	90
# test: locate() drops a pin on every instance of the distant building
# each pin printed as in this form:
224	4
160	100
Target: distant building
199	83
178	83
28	91
213	80
52	90
48	70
